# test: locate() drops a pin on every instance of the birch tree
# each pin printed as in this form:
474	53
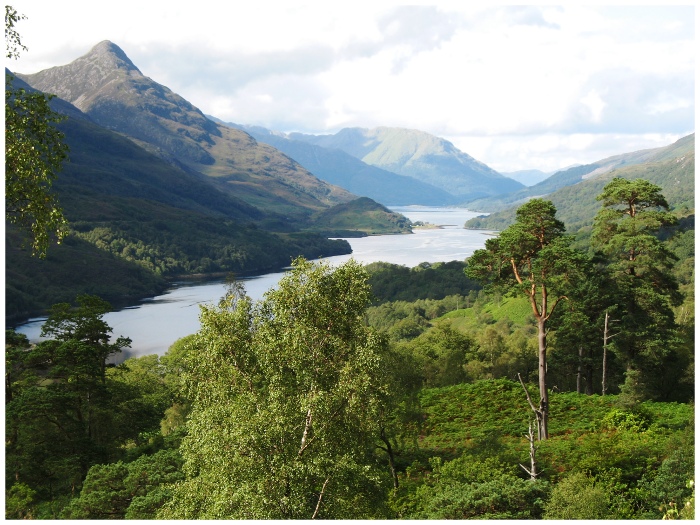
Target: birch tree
34	153
285	398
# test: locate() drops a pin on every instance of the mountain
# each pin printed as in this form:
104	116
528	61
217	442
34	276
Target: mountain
137	219
419	155
670	167
527	177
153	190
574	175
110	89
342	169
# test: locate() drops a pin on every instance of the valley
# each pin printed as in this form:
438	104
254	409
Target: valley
246	323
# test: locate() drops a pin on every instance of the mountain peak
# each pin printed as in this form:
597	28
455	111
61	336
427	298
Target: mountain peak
111	55
104	65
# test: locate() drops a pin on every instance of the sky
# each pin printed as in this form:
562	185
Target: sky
516	87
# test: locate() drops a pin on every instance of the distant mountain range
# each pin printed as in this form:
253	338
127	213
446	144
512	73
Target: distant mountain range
418	155
575	175
342	169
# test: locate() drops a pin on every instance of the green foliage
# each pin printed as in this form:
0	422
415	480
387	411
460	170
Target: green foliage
133	490
393	282
34	153
640	266
577	497
469	488
668	486
286	395
618	419
361	215
19	500
441	355
67	410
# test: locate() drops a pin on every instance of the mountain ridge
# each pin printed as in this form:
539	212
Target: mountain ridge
575	175
118	97
153	189
419	155
342	169
671	167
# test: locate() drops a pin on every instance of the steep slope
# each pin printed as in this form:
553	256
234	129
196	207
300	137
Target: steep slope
136	220
342	169
111	90
671	167
418	155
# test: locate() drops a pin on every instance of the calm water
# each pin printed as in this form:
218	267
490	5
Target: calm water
154	324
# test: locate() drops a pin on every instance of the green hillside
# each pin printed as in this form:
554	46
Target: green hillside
672	168
577	174
136	220
361	217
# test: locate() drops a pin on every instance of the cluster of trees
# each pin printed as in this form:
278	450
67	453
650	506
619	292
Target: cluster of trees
66	409
395	282
629	277
167	248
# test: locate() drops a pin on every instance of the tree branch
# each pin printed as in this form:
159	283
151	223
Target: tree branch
527	394
304	435
320	498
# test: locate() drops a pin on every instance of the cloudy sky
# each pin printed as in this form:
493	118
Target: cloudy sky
517	87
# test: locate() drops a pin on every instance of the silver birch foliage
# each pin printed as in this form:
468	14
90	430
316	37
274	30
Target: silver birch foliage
286	394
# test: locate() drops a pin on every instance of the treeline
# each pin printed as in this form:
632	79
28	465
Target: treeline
394	282
126	260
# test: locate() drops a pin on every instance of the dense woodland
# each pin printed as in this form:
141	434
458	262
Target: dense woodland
385	391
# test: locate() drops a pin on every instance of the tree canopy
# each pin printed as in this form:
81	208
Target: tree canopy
286	394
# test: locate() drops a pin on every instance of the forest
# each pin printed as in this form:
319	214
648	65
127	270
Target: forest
542	378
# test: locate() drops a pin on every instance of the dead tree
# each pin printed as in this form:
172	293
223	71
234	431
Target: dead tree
540	412
532	471
606	338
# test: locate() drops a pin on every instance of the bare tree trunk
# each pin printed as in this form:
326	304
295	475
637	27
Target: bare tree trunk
307	427
544	395
532	471
606	338
537	411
